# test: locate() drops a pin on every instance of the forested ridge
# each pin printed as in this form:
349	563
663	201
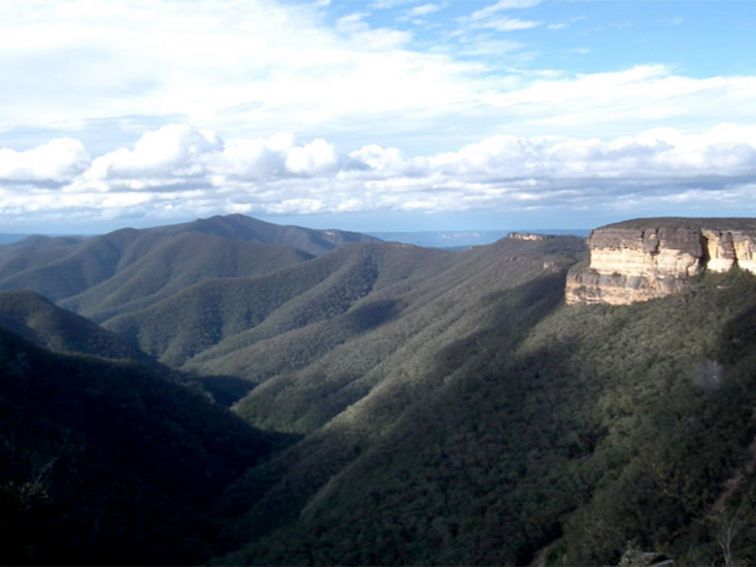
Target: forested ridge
388	404
593	431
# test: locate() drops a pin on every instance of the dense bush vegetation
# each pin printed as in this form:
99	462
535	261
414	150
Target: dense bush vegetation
438	407
104	276
42	323
574	435
109	462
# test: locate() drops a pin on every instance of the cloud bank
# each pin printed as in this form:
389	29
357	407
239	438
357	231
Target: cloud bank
179	171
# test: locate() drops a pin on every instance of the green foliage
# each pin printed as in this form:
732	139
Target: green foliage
41	322
109	462
575	435
442	408
104	276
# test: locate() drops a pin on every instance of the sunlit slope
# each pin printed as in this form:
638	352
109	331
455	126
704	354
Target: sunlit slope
394	334
569	432
219	310
322	334
103	276
174	263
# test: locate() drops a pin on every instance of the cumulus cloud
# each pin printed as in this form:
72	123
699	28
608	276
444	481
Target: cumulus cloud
54	162
379	159
316	157
174	150
180	171
178	156
258	158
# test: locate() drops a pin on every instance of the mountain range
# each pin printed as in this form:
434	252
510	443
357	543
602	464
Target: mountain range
280	395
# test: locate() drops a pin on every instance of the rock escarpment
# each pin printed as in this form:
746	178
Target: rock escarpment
648	258
527	236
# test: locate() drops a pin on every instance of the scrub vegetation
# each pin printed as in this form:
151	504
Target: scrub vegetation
377	403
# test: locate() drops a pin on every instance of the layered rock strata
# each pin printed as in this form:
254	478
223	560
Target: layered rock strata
650	258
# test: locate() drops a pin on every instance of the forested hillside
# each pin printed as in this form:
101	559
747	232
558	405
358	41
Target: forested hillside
393	404
564	434
111	462
103	276
41	322
324	334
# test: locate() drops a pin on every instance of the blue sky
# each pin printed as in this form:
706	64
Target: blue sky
376	114
586	36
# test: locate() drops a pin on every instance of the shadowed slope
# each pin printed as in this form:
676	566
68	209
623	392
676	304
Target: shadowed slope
105	462
31	316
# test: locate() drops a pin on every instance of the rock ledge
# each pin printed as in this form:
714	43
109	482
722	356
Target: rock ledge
645	259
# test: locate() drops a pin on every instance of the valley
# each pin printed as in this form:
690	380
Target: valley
280	395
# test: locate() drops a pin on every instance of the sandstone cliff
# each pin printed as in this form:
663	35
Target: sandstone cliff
527	236
644	259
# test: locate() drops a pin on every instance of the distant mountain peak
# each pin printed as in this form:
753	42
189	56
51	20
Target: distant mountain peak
158	260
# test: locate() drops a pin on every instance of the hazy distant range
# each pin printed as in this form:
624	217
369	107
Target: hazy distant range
463	238
430	238
8	238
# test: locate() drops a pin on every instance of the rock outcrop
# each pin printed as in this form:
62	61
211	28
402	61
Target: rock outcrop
527	236
644	259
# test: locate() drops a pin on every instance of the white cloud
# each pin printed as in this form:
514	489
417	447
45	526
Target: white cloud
201	174
178	157
501	6
379	159
56	161
172	150
640	97
510	24
352	23
491	17
316	157
424	10
727	151
260	158
257	65
388	4
253	68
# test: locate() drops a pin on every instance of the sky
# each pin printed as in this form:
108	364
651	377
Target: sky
375	115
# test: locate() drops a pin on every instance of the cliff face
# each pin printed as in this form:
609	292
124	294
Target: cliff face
649	258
